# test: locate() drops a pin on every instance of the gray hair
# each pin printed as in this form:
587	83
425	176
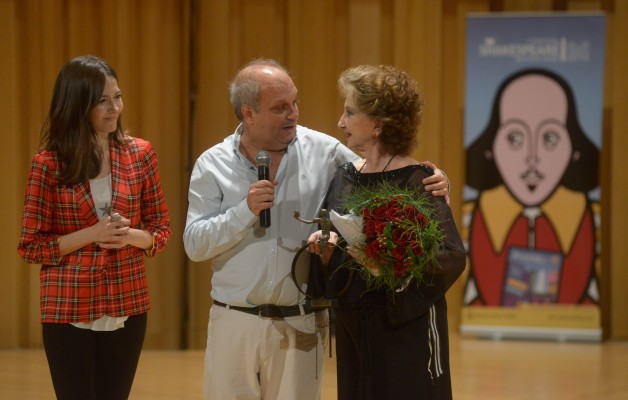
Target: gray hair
245	87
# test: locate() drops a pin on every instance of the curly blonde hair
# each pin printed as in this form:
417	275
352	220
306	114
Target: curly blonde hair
389	96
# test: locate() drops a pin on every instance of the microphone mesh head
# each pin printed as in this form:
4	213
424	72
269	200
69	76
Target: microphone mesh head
263	158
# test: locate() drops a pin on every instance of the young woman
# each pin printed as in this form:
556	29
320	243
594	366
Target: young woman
93	209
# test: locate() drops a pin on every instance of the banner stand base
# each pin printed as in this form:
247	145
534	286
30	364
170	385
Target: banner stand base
521	332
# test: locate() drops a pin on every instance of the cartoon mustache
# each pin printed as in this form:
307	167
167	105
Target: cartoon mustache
532	177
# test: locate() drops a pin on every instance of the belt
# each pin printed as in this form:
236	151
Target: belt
270	310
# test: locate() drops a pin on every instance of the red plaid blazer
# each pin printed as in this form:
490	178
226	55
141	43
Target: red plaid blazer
90	282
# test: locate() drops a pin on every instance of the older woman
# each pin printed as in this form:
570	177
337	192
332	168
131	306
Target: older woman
391	344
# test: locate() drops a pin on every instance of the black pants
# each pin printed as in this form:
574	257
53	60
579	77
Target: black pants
91	365
379	361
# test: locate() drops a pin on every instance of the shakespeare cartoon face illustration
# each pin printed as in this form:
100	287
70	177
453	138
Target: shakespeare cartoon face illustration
532	227
532	146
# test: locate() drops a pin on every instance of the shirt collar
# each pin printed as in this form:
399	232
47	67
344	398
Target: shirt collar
237	138
564	209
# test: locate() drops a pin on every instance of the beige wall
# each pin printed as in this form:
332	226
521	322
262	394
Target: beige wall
175	58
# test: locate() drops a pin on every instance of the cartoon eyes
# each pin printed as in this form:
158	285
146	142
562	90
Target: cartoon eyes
550	140
515	139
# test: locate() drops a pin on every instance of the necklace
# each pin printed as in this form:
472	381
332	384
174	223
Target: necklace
385	166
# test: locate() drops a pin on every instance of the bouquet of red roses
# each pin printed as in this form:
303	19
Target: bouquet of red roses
400	234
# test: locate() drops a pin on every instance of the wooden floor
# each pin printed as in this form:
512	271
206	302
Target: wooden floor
481	369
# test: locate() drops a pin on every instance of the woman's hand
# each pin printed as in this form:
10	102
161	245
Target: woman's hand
111	233
108	233
314	245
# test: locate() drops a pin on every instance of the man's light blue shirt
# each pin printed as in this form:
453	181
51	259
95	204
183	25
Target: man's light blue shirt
251	265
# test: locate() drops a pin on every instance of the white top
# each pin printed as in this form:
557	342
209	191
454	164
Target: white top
101	194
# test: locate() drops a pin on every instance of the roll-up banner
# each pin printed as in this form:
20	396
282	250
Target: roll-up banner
533	137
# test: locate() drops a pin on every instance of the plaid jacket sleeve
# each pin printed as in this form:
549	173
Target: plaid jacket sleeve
152	215
40	228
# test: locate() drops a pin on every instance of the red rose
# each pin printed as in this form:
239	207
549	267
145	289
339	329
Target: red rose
370	250
399	268
380	213
396	234
370	228
417	249
379	227
394	213
410	212
399	252
422	220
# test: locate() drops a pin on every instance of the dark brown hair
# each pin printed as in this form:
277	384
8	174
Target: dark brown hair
67	129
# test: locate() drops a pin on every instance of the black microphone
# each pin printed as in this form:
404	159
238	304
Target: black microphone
263	174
